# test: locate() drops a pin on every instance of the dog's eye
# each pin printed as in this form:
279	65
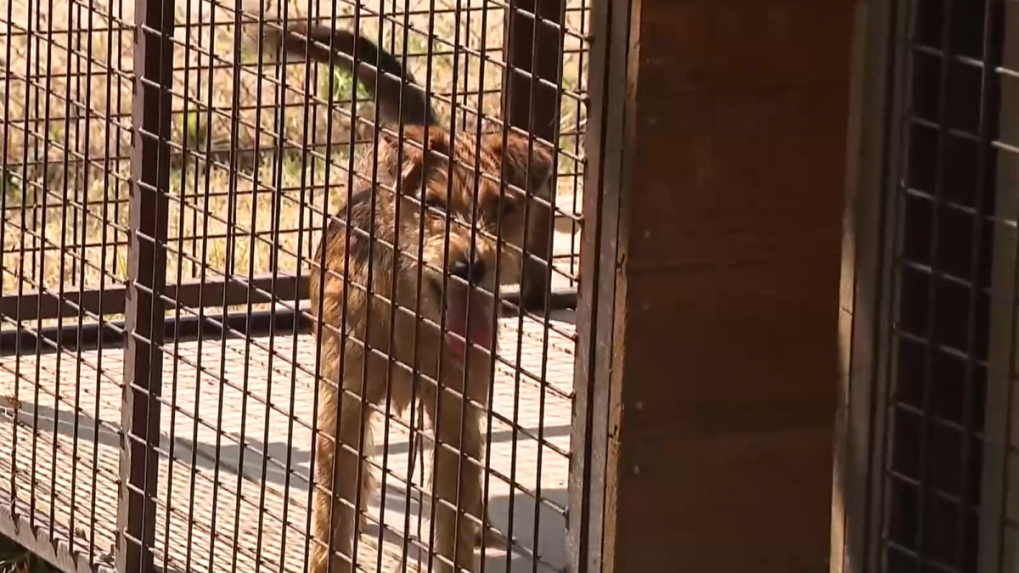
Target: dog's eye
434	202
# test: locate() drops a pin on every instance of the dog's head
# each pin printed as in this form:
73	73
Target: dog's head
479	202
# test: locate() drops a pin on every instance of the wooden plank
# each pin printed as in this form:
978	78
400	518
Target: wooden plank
748	513
725	355
736	176
731	349
741	44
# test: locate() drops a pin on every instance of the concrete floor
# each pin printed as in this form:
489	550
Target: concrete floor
220	516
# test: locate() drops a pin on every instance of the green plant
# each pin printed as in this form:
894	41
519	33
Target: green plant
292	166
56	131
343	86
194	129
11	190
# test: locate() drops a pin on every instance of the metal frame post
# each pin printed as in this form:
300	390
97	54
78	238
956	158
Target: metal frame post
598	292
145	309
533	107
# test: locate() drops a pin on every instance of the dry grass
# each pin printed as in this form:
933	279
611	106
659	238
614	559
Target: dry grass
65	92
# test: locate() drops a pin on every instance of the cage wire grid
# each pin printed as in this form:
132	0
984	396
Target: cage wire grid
157	374
942	443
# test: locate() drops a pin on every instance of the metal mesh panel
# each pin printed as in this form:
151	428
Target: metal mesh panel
938	429
168	179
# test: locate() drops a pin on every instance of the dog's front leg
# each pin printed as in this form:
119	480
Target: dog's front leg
457	470
334	511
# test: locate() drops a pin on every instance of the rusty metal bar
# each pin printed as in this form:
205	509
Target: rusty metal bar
148	221
533	107
187	294
111	334
280	320
195	294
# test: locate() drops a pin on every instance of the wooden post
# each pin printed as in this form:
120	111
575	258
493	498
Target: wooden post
720	393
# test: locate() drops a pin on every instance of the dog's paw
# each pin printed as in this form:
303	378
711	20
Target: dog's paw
493	539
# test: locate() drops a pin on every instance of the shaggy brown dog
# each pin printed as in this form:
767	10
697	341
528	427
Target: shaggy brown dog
428	204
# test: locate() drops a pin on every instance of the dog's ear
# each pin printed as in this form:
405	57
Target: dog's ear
514	156
402	158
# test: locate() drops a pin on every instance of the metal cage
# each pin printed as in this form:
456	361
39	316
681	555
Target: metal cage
926	459
165	183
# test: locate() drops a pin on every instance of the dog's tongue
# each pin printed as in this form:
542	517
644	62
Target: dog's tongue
480	331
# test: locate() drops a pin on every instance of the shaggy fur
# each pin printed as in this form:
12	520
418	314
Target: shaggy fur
361	276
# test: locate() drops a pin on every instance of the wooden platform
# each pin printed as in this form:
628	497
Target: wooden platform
235	454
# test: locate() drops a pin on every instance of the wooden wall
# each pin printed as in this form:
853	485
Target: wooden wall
724	367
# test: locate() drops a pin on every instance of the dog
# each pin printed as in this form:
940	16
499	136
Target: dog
417	252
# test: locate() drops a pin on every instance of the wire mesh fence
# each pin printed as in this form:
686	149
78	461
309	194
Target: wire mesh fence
932	409
235	248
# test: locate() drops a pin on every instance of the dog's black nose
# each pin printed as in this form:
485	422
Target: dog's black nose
473	273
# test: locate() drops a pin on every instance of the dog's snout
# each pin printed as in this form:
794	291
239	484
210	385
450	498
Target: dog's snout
473	273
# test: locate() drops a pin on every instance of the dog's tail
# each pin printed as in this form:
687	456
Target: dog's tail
300	36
